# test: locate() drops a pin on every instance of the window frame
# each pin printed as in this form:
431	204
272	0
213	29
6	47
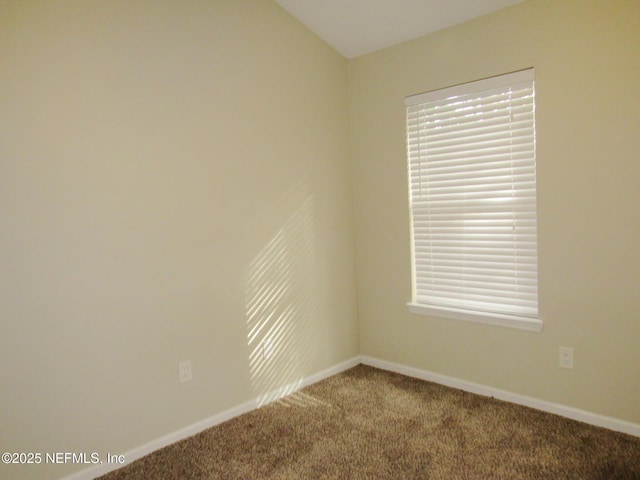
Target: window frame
528	321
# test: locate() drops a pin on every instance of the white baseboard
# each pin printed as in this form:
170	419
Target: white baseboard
165	440
550	407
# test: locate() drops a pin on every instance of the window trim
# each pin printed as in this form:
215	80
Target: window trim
522	322
496	319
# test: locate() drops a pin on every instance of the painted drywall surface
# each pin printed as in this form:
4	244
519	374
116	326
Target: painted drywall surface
175	183
587	60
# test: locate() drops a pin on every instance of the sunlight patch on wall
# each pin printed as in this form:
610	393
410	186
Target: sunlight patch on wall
281	305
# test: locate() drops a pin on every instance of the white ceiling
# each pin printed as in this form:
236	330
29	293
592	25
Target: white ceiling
357	27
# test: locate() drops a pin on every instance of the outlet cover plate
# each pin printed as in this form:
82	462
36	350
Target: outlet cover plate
566	357
184	371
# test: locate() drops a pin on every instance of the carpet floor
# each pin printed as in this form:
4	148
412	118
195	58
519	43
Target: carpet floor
367	423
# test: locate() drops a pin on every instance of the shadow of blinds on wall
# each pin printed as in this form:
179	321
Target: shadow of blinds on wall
472	176
281	303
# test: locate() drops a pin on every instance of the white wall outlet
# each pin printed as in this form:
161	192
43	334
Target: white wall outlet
566	357
184	371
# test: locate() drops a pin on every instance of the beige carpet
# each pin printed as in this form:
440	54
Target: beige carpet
367	423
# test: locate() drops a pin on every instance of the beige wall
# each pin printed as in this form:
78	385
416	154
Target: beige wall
175	183
587	59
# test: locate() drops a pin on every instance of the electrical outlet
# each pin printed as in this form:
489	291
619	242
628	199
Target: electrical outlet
566	357
184	371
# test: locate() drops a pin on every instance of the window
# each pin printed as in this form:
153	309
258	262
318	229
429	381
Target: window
472	178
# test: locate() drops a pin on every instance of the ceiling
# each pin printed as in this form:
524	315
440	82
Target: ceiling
357	27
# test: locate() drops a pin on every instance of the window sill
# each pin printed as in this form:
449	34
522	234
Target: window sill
510	321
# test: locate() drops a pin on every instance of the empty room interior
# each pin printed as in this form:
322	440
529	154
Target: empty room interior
205	206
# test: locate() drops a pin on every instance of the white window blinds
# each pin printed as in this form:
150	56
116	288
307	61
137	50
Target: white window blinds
472	174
